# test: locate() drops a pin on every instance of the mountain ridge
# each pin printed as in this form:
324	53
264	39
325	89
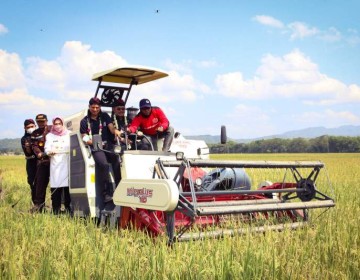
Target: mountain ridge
310	132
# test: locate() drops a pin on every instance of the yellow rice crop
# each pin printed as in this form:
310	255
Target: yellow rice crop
43	246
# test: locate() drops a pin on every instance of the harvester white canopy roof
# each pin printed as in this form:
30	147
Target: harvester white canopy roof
129	75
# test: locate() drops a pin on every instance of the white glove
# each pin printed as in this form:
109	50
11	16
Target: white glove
86	138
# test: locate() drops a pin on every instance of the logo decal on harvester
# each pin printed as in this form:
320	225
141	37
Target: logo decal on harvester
142	194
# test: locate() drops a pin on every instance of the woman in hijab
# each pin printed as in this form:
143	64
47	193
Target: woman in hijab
57	146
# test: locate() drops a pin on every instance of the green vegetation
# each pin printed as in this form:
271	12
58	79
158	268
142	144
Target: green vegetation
322	144
43	246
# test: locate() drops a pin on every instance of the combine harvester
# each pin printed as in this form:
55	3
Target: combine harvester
171	193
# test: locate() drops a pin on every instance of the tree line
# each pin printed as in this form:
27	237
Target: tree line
322	144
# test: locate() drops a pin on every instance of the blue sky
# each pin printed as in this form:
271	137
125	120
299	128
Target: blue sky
258	67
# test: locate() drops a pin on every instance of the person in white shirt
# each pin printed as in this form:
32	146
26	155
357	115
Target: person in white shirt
57	147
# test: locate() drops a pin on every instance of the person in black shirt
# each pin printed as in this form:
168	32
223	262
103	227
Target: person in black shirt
120	122
38	138
98	122
29	127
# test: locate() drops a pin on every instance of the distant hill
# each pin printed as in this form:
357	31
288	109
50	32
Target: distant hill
12	144
311	132
209	139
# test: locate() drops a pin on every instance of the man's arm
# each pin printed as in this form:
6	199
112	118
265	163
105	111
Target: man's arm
84	132
26	146
163	120
110	125
36	141
135	123
114	130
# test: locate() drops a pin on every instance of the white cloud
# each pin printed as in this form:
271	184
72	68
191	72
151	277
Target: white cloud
300	30
331	35
183	88
62	86
187	66
291	76
248	116
327	118
268	21
183	67
11	71
69	75
353	37
207	64
45	74
3	29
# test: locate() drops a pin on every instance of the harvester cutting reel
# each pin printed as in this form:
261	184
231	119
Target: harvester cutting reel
211	190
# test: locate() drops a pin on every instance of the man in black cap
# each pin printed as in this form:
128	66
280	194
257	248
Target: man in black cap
152	122
38	138
98	122
29	127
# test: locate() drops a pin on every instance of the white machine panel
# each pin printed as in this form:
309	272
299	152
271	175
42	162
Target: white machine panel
152	194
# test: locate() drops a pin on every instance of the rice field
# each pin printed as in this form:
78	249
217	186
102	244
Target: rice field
43	246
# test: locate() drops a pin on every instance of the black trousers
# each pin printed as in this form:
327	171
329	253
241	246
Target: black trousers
56	196
115	161
31	174
102	175
41	181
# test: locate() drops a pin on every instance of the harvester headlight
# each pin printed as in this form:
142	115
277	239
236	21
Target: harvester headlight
179	155
198	181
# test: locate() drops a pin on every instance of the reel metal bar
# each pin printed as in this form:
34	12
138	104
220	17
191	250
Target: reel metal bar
314	174
238	202
202	211
250	164
191	184
324	196
183	229
296	174
185	207
161	166
235	192
170	225
179	175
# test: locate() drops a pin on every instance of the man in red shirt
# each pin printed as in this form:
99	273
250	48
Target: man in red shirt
153	123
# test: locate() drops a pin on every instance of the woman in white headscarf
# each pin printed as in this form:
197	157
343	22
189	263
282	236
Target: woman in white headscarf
57	146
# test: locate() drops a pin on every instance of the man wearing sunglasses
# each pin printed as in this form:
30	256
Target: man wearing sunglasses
120	122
